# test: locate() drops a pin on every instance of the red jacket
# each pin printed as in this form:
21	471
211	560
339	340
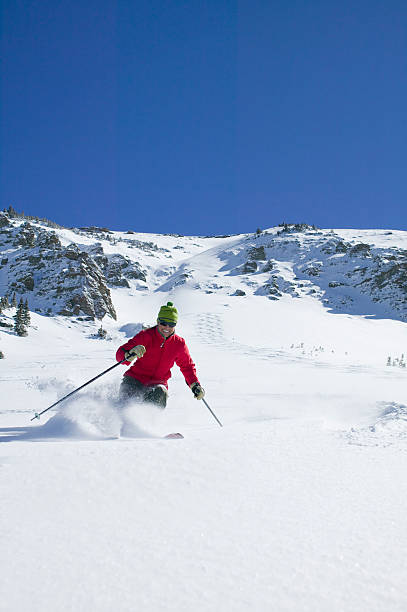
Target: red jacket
154	367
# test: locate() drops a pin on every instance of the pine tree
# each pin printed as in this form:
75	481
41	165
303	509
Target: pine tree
19	326
14	301
26	314
1	355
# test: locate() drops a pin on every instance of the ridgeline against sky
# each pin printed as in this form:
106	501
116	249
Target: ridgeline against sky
202	118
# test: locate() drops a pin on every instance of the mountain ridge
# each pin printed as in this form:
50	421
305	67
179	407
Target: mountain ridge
74	272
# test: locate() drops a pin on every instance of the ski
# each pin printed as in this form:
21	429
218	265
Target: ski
176	436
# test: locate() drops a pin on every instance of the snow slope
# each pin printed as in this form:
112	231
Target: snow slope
297	503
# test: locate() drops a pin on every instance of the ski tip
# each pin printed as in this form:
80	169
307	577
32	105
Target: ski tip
174	436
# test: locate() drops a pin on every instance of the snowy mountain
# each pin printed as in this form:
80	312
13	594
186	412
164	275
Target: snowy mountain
297	503
72	272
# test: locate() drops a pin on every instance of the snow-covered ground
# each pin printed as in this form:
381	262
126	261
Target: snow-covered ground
298	503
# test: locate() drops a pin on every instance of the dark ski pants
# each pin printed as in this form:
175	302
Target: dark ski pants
133	389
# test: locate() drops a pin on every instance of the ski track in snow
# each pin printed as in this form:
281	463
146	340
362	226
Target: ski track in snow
209	330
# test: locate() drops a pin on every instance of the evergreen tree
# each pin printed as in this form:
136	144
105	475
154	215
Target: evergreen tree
14	300
1	355
19	326
26	314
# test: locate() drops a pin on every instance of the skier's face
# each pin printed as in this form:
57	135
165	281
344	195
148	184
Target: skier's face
164	328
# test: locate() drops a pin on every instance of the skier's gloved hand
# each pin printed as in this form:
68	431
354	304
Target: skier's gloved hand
197	390
137	351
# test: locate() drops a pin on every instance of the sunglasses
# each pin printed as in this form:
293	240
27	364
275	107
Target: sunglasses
169	323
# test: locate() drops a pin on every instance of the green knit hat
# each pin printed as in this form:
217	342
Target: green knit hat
168	312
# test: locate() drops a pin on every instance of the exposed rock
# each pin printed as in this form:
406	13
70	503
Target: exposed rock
148	247
249	267
4	323
273	291
360	249
333	284
4	220
341	247
118	270
333	246
312	271
269	266
48	240
63	280
257	253
72	251
96	249
27	281
96	230
395	274
84	286
25	237
182	279
295	227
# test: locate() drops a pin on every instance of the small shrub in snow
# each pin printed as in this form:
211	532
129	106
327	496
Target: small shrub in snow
397	362
102	333
1	355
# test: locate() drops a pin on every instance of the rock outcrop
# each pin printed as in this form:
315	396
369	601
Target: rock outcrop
57	280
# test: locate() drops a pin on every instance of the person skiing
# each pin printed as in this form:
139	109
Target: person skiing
156	350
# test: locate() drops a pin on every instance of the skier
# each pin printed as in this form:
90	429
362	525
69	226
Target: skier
156	350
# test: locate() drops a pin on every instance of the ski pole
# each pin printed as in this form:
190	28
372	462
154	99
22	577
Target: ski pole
38	414
212	412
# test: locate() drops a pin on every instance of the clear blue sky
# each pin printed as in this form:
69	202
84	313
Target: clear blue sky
205	117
